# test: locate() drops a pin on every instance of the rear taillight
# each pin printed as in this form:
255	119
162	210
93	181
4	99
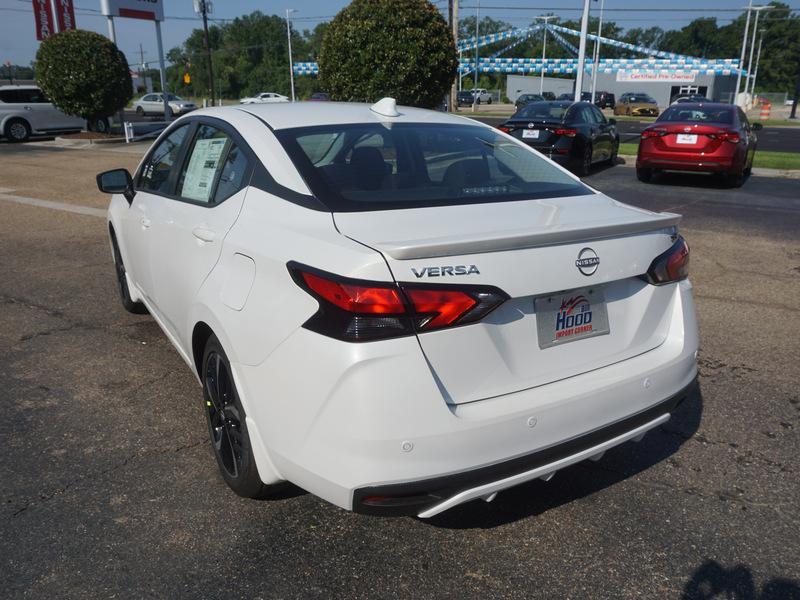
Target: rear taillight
358	311
651	133
669	266
566	132
504	128
726	136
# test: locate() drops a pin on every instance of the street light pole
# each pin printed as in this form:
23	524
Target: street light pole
758	58
453	13
289	38
544	51
475	96
596	60
741	58
757	10
582	50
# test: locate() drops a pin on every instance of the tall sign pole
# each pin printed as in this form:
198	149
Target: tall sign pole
596	59
475	96
453	14
741	58
289	11
582	51
163	69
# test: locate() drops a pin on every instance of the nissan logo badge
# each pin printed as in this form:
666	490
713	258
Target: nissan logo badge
587	261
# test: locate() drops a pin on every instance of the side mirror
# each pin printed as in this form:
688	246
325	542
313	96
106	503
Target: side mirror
612	121
116	181
757	126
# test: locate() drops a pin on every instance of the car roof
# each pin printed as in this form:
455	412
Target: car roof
288	115
714	105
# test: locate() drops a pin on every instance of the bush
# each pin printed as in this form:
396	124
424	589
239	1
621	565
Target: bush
397	48
84	74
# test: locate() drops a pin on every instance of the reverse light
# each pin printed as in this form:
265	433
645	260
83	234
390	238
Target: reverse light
670	266
356	311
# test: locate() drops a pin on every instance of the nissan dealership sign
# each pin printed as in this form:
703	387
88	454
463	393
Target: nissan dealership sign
151	10
664	76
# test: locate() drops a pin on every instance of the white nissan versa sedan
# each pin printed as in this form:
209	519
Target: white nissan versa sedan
399	310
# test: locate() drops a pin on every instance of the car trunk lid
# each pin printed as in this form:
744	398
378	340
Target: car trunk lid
529	250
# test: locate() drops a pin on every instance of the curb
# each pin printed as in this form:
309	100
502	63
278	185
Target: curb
630	161
89	142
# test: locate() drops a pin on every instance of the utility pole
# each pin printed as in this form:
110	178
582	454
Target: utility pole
741	58
289	39
596	59
452	13
582	51
205	8
757	10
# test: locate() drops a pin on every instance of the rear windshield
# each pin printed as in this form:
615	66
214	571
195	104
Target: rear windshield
697	114
641	98
378	167
545	111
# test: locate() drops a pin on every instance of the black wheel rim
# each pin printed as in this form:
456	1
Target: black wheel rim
223	415
18	131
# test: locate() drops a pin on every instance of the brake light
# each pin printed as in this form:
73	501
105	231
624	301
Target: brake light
357	311
504	128
670	266
566	132
651	133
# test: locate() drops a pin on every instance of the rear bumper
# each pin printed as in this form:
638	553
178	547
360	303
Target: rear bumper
700	164
429	497
373	416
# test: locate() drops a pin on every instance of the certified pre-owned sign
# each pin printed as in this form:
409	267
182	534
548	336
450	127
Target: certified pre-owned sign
152	10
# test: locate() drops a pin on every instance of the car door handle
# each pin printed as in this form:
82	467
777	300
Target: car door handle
145	222
203	234
27	108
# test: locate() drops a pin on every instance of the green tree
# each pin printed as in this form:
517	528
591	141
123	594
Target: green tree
84	74
397	48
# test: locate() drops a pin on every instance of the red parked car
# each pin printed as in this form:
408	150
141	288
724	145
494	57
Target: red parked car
702	137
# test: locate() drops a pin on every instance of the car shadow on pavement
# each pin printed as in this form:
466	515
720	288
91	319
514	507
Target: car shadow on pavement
697	180
711	581
580	480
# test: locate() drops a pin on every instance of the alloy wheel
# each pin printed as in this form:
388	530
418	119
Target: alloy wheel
224	417
18	131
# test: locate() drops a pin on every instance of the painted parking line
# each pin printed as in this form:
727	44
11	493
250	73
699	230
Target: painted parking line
73	208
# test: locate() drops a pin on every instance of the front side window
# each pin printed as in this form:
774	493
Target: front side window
374	167
155	174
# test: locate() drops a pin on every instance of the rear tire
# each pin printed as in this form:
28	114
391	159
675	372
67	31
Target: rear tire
140	111
584	164
735	179
98	125
17	130
227	425
489	101
644	175
131	306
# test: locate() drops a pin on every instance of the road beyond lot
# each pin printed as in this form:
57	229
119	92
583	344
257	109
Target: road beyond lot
111	490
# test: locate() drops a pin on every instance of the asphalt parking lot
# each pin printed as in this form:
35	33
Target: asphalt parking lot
111	489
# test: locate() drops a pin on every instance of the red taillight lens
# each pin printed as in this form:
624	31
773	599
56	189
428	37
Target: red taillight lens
359	311
504	128
566	132
651	133
727	136
672	265
356	298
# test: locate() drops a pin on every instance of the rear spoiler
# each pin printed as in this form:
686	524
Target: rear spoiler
514	240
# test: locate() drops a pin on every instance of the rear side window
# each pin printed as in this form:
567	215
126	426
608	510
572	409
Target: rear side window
373	167
214	169
22	96
155	175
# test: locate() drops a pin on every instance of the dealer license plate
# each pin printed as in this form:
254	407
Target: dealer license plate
687	138
570	316
530	134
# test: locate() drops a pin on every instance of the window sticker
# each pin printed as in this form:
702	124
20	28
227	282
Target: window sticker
202	168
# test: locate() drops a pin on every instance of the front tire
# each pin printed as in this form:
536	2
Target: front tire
17	130
130	305
227	425
489	101
139	111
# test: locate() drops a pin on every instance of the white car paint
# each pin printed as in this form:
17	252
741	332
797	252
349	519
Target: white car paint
28	104
264	98
343	419
153	104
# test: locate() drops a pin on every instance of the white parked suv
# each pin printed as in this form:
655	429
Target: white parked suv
264	98
25	110
482	96
399	310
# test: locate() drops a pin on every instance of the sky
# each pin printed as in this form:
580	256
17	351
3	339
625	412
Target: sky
18	43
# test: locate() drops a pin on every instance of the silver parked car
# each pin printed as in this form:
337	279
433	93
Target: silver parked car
25	110
153	104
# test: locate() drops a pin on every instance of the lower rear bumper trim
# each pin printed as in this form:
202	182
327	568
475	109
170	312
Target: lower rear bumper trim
428	497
